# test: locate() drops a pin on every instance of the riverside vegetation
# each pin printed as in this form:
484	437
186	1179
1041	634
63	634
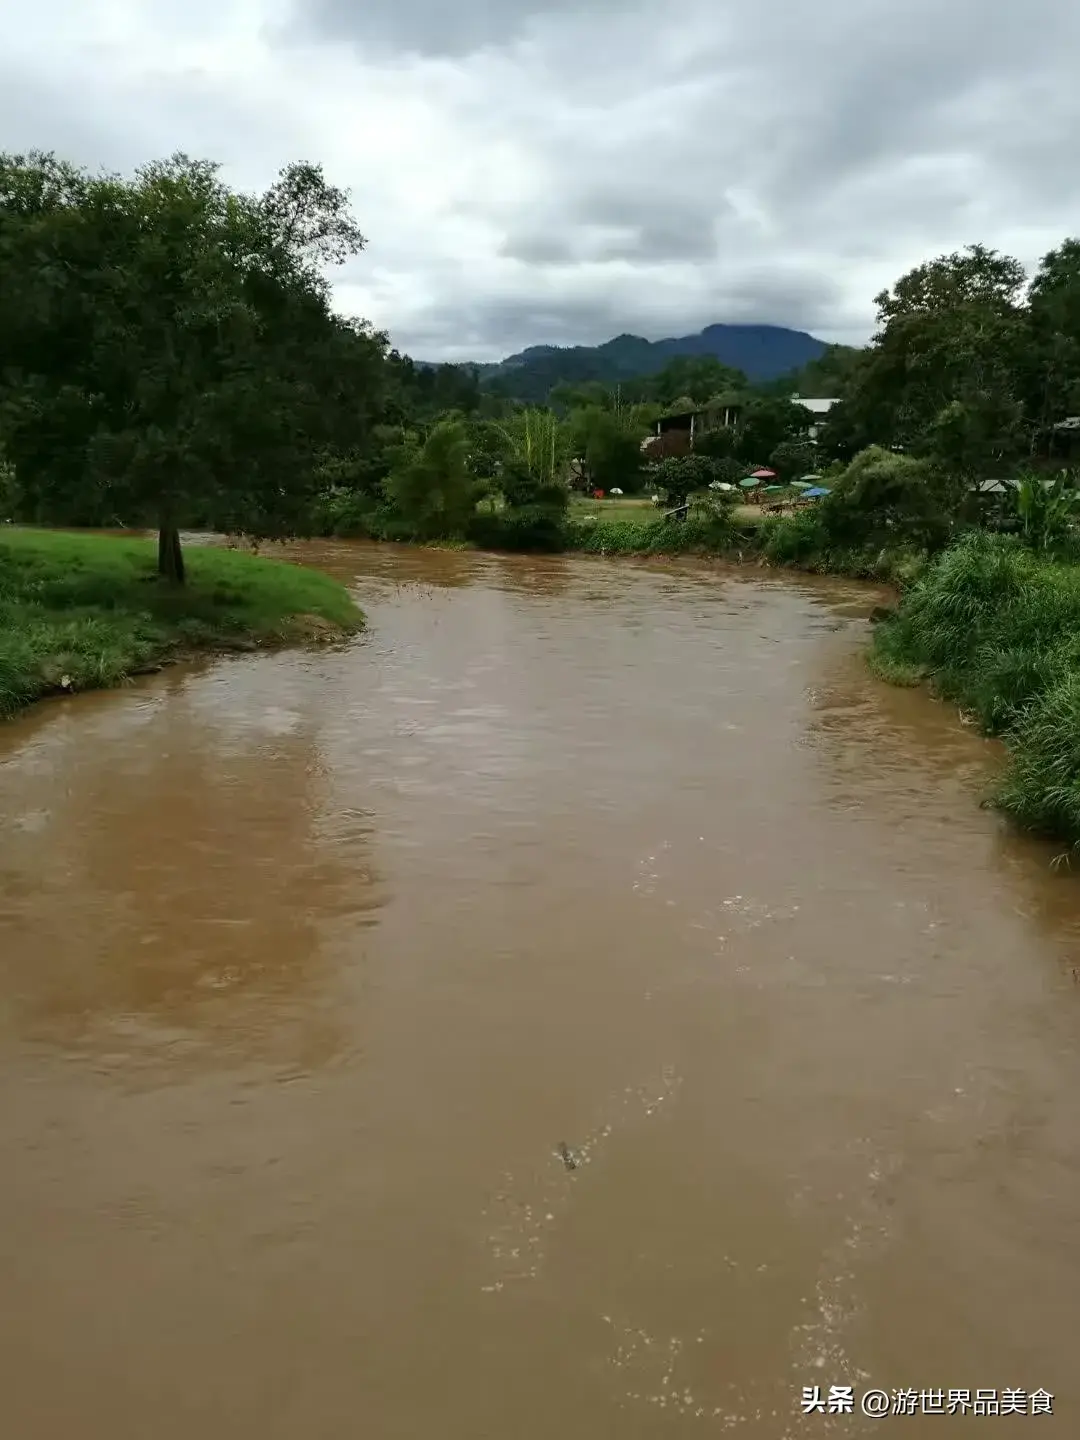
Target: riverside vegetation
84	611
170	358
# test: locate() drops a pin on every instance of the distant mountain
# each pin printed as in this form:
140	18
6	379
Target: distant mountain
762	352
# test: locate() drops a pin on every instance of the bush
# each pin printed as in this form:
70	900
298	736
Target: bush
1041	789
705	531
794	539
996	628
886	499
343	513
679	476
521	527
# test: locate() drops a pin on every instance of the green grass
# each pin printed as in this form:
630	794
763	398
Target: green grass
80	612
633	510
996	628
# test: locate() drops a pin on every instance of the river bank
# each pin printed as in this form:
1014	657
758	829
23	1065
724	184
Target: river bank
80	612
995	627
635	857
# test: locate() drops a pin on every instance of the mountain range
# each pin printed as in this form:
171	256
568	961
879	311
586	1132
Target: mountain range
762	352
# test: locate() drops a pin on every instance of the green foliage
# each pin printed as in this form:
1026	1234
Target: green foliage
798	539
9	493
676	477
532	476
609	443
996	627
963	370
489	446
1048	511
885	498
1041	789
688	381
167	347
720	443
80	611
828	377
792	459
765	424
431	485
537	528
706	532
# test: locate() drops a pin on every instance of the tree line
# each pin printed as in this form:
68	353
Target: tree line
170	358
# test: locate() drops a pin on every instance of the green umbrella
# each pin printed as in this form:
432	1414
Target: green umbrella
811	479
749	484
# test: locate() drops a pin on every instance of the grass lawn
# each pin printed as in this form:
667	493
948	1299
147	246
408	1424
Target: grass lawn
636	509
80	612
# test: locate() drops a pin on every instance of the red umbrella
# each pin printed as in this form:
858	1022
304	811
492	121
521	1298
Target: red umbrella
763	475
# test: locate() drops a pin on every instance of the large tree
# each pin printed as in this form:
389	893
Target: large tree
168	349
1051	370
941	377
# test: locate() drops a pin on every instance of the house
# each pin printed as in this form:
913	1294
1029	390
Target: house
722	412
687	422
818	409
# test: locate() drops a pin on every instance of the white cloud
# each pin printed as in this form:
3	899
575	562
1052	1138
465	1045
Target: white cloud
538	170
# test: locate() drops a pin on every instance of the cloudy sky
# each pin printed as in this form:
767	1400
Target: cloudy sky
558	171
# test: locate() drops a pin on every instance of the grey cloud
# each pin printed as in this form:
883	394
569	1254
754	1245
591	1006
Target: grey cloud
430	27
568	243
492	326
653	166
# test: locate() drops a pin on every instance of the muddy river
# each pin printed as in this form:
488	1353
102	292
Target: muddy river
585	1006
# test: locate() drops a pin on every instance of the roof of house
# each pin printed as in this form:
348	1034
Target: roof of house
994	487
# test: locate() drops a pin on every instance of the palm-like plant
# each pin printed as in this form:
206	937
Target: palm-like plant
1047	512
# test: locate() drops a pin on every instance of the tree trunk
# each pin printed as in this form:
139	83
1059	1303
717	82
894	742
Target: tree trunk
170	558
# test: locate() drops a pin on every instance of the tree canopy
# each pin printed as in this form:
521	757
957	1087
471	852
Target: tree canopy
167	346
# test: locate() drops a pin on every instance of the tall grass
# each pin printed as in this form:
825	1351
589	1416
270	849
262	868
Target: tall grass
996	628
83	611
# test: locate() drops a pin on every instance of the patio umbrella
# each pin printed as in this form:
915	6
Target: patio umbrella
811	478
800	484
749	484
763	474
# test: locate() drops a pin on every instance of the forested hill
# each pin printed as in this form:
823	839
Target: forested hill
761	352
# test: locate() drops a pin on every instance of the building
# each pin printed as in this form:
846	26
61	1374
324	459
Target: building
818	409
723	411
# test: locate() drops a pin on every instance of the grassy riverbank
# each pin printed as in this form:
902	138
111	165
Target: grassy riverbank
81	612
995	627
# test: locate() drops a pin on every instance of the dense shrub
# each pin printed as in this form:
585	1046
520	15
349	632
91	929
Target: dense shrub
794	539
996	627
1041	789
705	531
521	527
884	498
343	513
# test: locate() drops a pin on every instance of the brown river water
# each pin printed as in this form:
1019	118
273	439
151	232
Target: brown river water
311	962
